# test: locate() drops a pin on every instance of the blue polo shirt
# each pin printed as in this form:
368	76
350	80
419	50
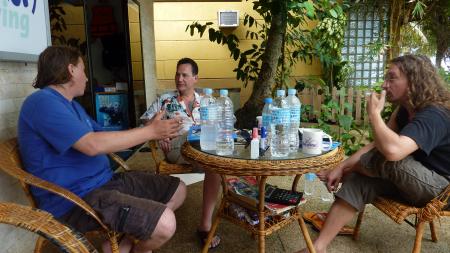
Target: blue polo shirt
48	127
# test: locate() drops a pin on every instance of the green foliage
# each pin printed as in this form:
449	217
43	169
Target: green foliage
328	39
351	136
445	74
299	44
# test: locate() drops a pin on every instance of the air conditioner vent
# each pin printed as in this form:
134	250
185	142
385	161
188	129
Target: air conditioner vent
228	18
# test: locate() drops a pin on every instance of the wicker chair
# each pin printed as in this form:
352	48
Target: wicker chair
164	167
43	223
398	212
11	164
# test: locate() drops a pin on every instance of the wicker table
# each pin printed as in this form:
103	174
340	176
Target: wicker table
239	164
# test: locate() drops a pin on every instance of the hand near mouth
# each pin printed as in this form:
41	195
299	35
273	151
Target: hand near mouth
375	103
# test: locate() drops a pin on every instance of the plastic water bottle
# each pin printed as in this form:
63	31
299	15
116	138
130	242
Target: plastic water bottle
294	108
224	139
280	126
309	184
208	117
267	116
325	195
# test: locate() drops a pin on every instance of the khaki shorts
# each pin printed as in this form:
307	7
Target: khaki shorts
406	180
131	203
174	155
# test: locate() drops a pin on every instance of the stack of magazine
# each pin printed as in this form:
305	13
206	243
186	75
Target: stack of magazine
246	189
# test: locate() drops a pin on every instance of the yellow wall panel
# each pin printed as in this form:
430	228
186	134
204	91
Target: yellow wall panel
303	69
207	68
138	73
135	32
176	30
161	67
197	50
133	14
198	11
74	31
74	14
136	52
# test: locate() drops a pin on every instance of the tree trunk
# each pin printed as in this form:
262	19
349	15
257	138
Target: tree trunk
262	88
439	26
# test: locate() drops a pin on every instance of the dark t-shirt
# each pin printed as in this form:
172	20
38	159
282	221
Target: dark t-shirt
430	129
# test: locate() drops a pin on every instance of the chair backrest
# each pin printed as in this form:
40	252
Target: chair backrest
43	223
164	167
9	160
11	164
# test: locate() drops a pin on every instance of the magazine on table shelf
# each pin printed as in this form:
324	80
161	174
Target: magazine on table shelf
245	188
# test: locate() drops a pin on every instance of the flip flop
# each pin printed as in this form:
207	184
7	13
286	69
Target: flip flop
318	219
203	236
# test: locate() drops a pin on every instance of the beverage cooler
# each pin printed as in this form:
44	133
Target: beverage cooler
109	96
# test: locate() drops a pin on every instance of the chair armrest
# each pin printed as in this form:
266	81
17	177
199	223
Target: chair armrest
44	224
444	196
120	161
30	179
436	206
153	145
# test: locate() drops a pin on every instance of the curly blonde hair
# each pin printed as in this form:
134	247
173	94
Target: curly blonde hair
426	86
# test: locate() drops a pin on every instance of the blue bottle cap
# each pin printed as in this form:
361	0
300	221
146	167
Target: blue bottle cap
207	91
263	132
292	91
281	93
268	100
223	92
310	176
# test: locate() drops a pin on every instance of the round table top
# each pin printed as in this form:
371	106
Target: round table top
240	164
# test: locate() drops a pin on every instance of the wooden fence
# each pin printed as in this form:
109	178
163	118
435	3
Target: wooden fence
354	97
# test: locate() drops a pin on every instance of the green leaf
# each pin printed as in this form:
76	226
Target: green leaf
333	13
242	61
345	121
419	9
218	37
251	21
212	34
310	10
236	53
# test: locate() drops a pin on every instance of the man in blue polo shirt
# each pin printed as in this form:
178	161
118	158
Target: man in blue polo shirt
60	143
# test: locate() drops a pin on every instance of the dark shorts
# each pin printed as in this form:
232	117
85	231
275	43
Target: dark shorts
406	180
131	203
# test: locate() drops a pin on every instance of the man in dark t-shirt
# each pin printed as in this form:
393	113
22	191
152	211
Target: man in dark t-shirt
410	155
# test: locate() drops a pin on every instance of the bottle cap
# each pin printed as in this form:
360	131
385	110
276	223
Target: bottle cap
292	91
281	93
268	100
263	132
255	133
223	92
207	91
310	176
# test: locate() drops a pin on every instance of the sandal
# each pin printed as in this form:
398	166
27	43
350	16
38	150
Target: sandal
203	236
318	219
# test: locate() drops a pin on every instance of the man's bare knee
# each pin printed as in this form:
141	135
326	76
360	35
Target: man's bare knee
178	197
166	226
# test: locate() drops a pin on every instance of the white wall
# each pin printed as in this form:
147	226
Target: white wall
15	85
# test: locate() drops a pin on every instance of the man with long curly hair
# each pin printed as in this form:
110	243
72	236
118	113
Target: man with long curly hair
409	157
